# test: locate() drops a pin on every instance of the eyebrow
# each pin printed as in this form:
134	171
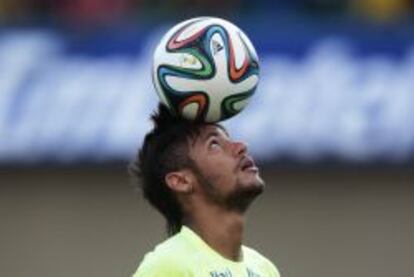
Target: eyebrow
209	135
215	133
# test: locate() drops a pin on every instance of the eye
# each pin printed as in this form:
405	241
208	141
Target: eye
214	143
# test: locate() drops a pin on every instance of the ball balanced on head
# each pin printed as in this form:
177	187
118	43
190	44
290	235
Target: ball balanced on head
205	69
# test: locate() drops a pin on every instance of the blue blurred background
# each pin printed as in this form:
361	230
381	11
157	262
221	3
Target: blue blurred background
331	124
336	84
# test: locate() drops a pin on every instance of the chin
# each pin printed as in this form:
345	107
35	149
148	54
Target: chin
241	199
256	187
253	181
251	186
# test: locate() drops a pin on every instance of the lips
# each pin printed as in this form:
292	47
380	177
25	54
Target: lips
247	163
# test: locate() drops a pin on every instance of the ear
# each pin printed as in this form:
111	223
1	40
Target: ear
180	181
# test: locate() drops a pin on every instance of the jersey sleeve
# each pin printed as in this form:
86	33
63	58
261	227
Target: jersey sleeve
273	271
266	267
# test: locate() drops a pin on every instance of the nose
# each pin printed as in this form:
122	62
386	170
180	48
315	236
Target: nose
239	148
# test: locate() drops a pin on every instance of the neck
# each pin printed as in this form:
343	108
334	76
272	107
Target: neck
221	230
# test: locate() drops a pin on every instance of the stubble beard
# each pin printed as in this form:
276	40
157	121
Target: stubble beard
239	200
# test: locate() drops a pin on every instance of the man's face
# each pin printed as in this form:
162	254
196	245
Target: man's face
227	174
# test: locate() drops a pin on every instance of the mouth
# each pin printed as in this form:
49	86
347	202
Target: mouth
247	164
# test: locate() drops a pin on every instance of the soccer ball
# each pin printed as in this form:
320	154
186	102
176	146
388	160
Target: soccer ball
205	69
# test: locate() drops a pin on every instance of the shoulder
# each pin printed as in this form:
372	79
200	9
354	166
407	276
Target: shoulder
161	266
169	258
261	261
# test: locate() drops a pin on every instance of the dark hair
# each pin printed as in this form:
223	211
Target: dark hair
165	149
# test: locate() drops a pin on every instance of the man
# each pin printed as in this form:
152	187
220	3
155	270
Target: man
202	182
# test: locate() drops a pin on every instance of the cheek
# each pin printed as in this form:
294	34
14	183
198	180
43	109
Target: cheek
220	172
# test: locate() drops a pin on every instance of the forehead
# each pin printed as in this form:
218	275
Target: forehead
209	130
213	129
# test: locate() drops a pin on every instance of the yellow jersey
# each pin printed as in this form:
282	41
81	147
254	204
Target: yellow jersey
186	255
